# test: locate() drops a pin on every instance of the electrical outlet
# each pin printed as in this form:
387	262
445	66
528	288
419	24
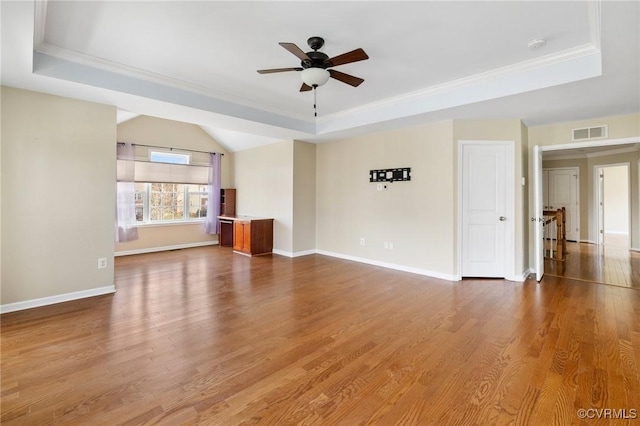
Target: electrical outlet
386	245
362	241
390	246
102	262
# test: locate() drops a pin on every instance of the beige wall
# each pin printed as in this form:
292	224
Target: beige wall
58	195
160	237
304	197
172	134
264	181
416	216
623	126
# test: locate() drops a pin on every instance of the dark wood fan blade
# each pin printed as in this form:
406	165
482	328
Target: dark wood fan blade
346	78
305	87
278	70
291	47
347	58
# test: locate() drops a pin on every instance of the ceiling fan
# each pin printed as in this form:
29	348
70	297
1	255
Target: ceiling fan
314	65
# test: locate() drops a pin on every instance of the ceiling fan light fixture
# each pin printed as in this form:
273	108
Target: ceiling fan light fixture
314	77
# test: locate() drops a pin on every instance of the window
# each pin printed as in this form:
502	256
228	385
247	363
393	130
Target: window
170	202
169	157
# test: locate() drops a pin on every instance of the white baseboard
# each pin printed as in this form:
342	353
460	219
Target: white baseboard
395	266
634	249
519	278
294	254
165	248
44	301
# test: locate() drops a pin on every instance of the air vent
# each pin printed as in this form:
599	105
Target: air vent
587	133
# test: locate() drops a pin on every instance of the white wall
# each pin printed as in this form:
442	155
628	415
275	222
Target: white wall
304	197
58	197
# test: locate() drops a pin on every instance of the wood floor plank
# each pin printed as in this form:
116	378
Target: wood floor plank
203	336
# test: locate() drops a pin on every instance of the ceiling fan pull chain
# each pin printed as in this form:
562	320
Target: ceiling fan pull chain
315	110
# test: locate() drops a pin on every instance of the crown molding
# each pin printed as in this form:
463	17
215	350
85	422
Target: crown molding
578	63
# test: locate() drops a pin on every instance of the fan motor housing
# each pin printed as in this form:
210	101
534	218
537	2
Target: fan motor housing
317	60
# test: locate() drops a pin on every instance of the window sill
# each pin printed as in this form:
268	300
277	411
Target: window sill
161	224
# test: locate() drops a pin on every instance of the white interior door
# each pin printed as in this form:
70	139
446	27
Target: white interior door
563	192
487	201
539	207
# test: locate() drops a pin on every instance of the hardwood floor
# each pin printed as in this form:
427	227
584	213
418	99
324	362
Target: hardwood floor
202	336
608	264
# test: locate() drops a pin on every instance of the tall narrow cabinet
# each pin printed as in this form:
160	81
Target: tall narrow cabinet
227	202
227	212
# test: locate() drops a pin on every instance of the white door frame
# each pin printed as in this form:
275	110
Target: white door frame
537	171
598	193
538	208
510	247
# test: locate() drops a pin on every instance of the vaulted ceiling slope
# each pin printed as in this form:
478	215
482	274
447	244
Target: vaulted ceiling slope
196	61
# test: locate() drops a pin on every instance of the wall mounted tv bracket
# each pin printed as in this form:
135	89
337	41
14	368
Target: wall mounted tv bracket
390	175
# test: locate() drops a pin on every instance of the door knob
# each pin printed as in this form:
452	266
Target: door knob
533	219
502	218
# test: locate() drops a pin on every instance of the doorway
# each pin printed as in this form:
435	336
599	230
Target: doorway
612	197
591	149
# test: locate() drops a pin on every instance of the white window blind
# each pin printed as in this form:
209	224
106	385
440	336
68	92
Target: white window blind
166	173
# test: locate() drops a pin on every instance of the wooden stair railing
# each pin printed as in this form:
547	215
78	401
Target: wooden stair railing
560	218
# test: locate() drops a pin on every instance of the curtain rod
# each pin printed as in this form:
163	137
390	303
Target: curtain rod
171	149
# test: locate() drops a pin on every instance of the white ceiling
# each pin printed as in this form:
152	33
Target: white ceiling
196	62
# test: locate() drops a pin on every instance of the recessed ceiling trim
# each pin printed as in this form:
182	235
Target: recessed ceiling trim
52	66
560	68
113	67
551	70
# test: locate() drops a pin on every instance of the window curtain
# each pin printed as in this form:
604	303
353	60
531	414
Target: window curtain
126	229
212	225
